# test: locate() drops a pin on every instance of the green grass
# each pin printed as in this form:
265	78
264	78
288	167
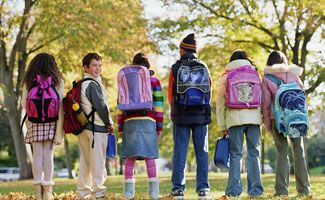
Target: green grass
317	171
218	182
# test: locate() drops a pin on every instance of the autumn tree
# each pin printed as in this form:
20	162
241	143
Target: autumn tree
257	27
288	26
68	29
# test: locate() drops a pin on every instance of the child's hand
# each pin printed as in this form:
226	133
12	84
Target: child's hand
158	134
111	129
57	142
224	133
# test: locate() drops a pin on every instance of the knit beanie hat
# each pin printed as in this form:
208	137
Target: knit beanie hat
189	43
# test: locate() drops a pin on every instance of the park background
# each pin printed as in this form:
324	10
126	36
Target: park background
118	30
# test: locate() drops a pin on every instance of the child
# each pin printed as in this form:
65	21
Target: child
277	65
92	140
41	134
191	114
140	132
236	122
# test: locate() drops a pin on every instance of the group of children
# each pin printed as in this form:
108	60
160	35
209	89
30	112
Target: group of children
189	98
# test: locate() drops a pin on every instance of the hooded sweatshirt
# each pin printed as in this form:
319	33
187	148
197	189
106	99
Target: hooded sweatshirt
287	73
228	117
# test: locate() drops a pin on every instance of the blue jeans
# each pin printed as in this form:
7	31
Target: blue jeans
181	135
236	138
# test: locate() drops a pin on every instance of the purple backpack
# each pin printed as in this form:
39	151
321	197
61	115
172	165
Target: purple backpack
134	88
43	101
243	89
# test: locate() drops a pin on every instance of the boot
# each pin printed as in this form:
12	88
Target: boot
38	191
153	188
47	192
129	187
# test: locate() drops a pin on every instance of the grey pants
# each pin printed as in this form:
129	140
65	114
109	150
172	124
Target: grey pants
283	167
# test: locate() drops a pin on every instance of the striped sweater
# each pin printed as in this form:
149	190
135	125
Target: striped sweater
156	114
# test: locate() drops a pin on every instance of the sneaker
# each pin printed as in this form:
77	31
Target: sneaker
203	195
177	194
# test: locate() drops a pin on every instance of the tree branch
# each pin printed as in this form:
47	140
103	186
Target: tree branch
276	10
260	27
262	44
320	79
38	47
295	48
12	57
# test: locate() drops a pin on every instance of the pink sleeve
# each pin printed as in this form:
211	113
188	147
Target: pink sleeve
266	105
298	80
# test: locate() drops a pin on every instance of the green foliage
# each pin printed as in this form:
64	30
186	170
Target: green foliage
317	170
316	151
7	150
60	156
255	26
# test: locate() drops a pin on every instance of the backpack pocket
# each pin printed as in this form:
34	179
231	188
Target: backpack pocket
33	108
194	97
278	118
296	123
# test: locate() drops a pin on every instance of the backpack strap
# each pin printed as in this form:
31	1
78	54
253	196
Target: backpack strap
92	113
274	79
90	79
93	110
22	124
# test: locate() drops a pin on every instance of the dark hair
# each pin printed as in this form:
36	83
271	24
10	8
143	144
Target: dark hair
276	57
141	59
240	54
42	64
87	59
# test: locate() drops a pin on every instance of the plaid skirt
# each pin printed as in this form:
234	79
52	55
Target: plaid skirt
39	132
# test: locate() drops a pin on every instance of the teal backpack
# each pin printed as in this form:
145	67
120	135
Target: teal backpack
290	108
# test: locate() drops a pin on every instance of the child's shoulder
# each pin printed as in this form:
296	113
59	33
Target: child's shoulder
154	80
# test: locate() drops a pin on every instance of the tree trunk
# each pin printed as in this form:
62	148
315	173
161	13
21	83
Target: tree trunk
108	169
121	166
24	157
68	156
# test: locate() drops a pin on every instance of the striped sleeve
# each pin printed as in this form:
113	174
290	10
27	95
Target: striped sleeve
158	103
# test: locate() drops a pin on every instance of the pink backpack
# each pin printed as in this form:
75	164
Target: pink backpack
243	89
134	88
43	101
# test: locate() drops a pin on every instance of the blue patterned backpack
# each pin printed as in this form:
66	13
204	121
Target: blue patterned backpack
290	108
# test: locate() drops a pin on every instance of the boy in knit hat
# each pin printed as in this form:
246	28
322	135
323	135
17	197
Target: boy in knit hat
189	98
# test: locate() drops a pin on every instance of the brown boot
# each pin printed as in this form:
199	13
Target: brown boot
47	192
38	191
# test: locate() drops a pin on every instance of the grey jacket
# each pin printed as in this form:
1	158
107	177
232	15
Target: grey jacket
94	96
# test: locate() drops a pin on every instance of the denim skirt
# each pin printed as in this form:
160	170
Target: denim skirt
139	139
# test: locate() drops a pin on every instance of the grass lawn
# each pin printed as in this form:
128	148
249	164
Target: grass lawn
65	188
317	170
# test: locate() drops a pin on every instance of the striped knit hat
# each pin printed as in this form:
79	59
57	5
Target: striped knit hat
189	43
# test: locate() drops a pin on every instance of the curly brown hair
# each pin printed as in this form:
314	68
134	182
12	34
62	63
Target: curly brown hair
42	64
